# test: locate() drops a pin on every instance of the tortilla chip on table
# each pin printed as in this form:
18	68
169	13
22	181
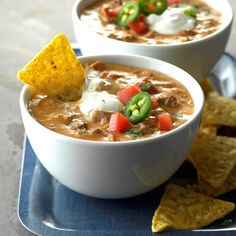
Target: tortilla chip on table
227	186
219	110
181	208
214	157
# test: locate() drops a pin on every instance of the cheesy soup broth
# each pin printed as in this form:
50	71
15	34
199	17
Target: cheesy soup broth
89	117
171	27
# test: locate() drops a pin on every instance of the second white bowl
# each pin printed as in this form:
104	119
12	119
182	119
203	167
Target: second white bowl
196	57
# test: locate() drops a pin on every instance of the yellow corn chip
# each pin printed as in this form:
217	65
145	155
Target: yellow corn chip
207	86
219	111
214	157
212	130
189	159
55	71
193	188
184	209
227	186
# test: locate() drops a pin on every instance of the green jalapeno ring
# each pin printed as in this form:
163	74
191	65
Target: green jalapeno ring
153	6
128	13
138	108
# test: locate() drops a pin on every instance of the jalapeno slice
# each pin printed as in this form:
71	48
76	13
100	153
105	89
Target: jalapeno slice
153	6
128	13
138	108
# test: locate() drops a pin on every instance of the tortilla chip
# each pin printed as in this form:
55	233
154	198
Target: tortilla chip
55	71
212	130
193	188
184	209
227	186
214	157
207	86
219	111
189	158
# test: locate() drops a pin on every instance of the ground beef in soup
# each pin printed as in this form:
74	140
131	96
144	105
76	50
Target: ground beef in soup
101	18
90	117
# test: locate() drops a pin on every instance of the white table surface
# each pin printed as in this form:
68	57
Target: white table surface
25	27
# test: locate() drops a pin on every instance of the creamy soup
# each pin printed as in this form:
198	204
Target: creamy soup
137	22
119	103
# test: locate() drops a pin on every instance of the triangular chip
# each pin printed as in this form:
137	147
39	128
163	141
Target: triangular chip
184	209
227	186
219	111
212	130
193	187
207	86
55	71
214	157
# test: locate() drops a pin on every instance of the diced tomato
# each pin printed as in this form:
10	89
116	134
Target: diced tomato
115	11
127	93
110	12
154	103
165	122
151	6
105	11
141	17
118	123
170	2
138	27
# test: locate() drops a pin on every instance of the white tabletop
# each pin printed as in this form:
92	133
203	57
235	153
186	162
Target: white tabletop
26	26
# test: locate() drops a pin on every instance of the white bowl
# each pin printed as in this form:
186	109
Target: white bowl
115	169
196	57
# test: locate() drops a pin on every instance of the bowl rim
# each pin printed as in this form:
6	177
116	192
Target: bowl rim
26	90
76	18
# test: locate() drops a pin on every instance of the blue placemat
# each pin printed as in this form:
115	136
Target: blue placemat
48	208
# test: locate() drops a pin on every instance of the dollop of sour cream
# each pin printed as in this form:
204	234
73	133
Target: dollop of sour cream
97	100
172	21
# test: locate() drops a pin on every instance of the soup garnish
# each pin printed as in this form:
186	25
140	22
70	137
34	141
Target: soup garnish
113	102
118	103
152	21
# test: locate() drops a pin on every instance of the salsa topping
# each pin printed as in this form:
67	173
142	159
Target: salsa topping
118	103
127	93
157	16
165	122
118	123
152	21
